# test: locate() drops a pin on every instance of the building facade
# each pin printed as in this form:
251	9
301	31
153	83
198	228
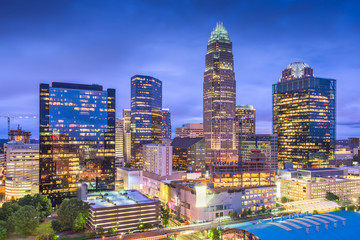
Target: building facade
146	114
157	159
190	130
20	135
304	117
245	121
128	129
77	139
22	169
119	138
219	97
166	123
189	154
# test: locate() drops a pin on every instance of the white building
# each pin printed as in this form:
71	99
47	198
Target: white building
129	178
22	169
157	159
119	138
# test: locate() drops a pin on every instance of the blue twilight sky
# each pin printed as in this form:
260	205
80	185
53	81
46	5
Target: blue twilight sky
108	41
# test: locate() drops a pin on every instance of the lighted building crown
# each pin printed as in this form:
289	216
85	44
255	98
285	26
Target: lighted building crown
296	70
219	33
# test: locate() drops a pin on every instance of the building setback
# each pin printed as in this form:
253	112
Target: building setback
189	154
77	139
304	117
219	97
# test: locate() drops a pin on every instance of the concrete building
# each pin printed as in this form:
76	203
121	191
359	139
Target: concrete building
315	183
190	130
22	169
128	178
157	159
119	138
123	211
128	129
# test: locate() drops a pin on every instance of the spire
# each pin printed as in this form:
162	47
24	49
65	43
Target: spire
219	33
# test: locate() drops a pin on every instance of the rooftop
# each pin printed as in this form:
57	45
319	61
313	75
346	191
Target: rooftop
117	198
219	34
335	226
94	87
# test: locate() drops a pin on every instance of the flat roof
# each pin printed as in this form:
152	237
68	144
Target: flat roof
117	198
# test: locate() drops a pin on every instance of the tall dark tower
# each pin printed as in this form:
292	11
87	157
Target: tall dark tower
219	97
304	117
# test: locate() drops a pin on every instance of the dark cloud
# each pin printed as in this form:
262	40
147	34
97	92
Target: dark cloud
106	42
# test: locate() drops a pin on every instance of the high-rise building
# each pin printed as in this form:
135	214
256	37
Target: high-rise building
119	138
219	97
166	123
246	114
190	130
189	154
128	128
354	142
22	169
304	117
77	139
157	159
146	115
20	135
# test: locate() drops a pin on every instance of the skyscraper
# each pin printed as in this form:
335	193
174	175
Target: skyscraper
219	97
304	117
128	128
77	139
119	138
146	115
246	114
166	123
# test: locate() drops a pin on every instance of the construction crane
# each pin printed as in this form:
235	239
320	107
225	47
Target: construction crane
10	116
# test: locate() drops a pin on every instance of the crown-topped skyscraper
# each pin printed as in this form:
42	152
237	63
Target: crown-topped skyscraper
219	97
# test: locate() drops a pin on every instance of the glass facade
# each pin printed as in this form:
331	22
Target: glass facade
246	114
219	97
146	114
304	119
166	123
77	139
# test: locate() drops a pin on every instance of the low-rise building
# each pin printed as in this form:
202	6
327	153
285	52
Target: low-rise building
123	211
190	130
315	183
128	178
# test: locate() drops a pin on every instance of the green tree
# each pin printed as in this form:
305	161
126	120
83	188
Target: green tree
92	234
25	220
165	214
41	237
231	214
79	222
3	232
69	210
351	208
236	214
111	231
331	197
283	199
244	212
42	205
8	209
147	226
56	226
263	209
26	200
214	234
101	231
249	212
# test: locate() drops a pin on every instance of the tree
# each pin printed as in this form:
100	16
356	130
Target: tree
41	237
263	209
283	200
92	234
249	212
351	208
236	214
165	214
25	220
79	222
56	225
111	231
315	212
331	197
147	226
214	234
231	214
3	232
68	211
26	200
101	231
42	205
8	209
244	212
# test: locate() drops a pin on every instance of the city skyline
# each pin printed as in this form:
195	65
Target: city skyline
106	46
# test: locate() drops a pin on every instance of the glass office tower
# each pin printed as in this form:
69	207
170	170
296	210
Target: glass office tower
77	139
146	114
304	117
219	97
166	123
